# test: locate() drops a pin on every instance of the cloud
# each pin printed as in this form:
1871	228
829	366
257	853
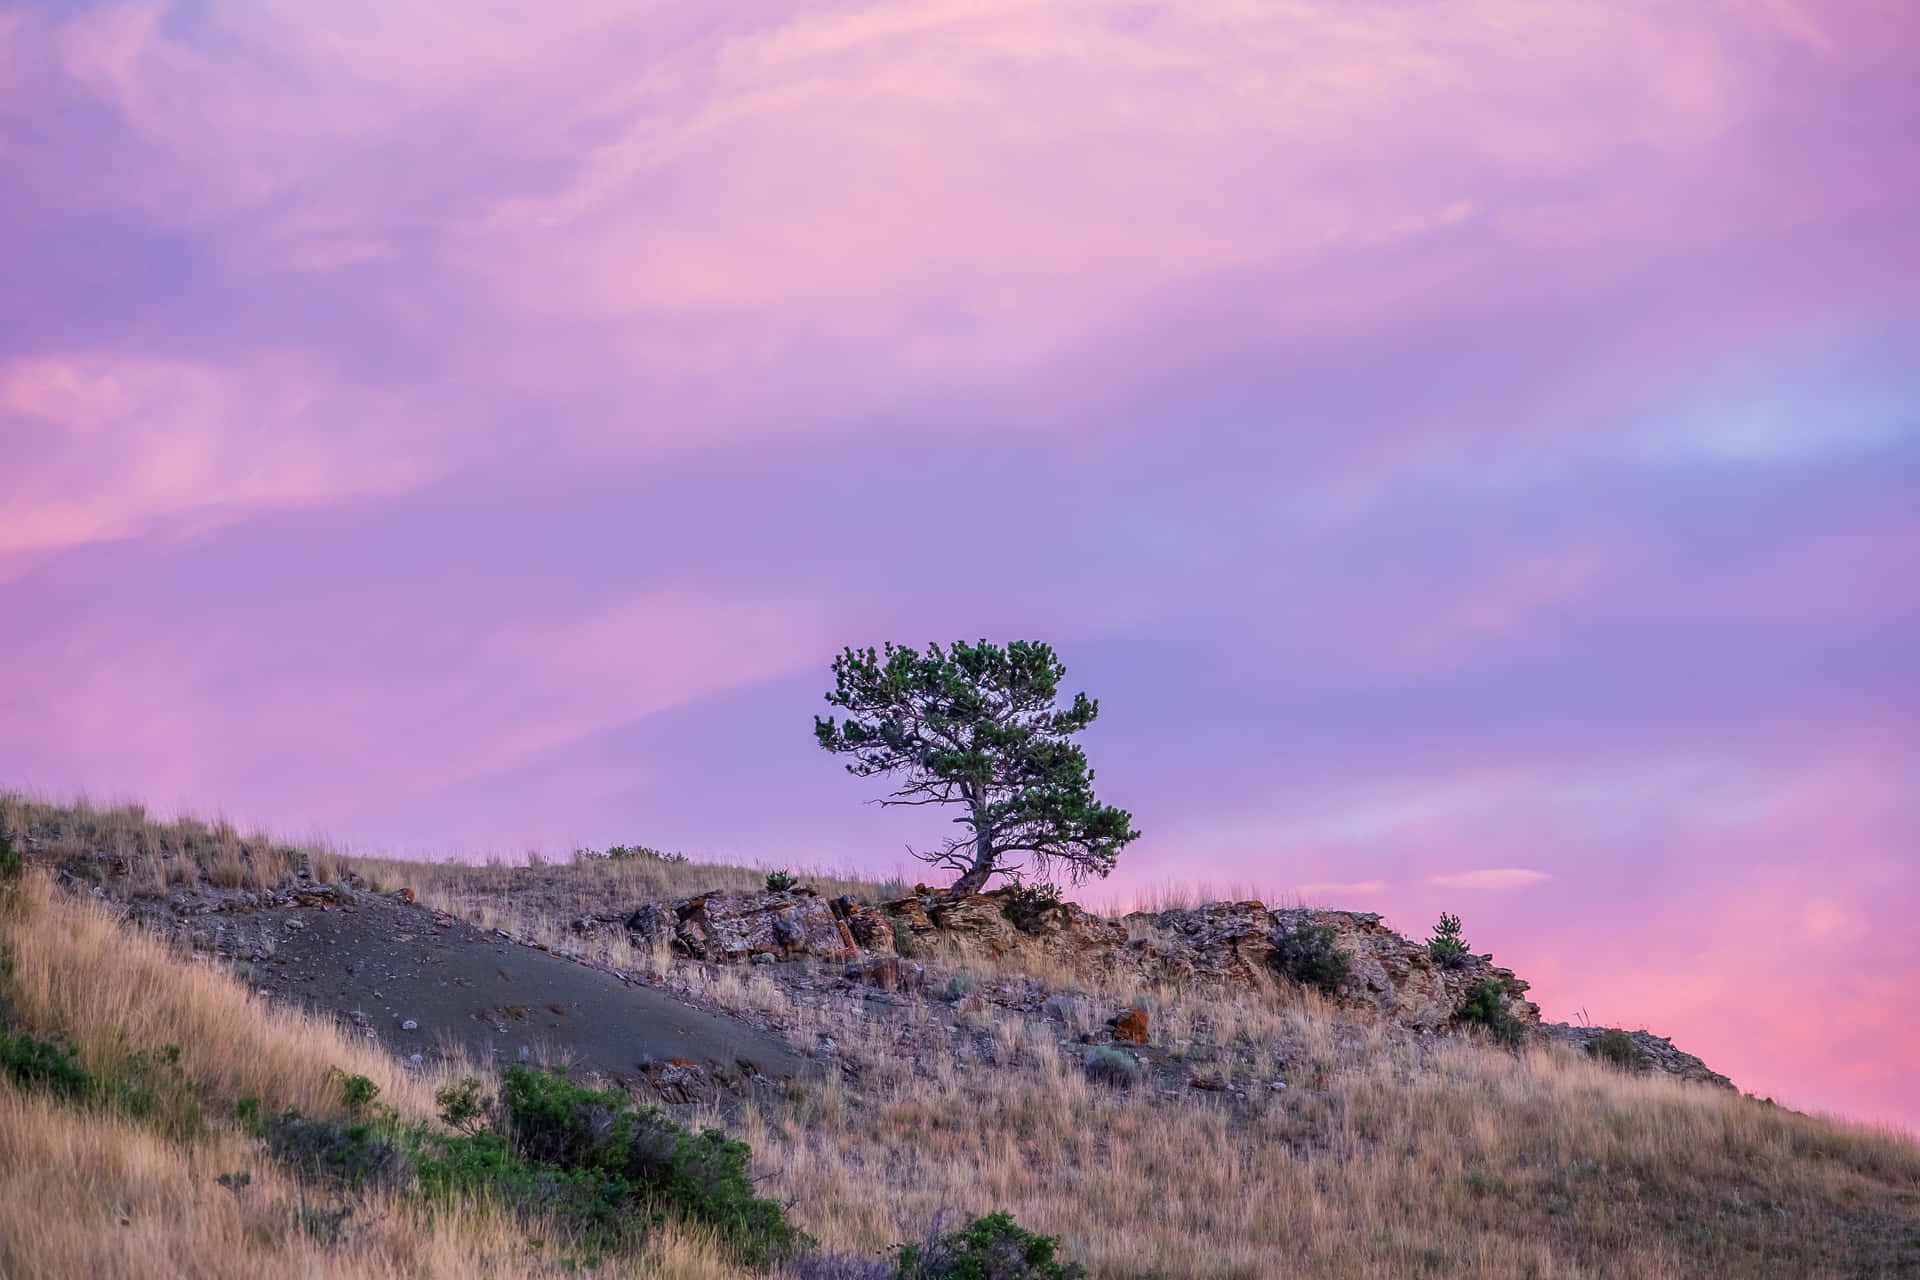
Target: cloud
1491	878
107	445
1334	889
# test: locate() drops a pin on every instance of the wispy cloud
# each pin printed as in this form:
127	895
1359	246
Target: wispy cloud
1491	878
1335	889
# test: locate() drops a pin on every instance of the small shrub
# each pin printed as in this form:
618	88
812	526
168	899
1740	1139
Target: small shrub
960	986
1446	946
1486	1007
235	1181
780	881
1111	1067
1027	906
1305	953
463	1106
993	1247
632	852
356	1092
42	1064
345	1154
606	1150
1616	1048
903	939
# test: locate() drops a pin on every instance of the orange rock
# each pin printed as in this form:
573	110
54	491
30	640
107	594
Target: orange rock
1131	1024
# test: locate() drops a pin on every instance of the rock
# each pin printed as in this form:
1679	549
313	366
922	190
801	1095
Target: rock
889	973
409	1025
1130	1025
736	926
651	920
1651	1052
870	930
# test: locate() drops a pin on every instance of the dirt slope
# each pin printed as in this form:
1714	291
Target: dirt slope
381	964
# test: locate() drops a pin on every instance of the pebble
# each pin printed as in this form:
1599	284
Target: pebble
409	1025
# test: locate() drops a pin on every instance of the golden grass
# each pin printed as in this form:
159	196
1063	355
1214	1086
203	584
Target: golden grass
1389	1156
499	895
121	843
110	991
88	1192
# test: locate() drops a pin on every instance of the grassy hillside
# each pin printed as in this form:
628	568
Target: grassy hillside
1389	1155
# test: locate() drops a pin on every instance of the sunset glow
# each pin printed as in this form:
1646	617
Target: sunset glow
1470	449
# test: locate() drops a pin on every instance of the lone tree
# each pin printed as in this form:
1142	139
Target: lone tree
976	726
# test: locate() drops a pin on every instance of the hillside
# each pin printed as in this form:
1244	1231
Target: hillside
1223	1090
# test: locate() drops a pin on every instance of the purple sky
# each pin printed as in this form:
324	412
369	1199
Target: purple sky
1471	448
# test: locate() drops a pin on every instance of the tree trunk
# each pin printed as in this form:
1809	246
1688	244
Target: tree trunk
977	875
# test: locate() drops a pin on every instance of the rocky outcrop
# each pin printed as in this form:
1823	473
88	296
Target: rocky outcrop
1649	1052
1229	944
721	927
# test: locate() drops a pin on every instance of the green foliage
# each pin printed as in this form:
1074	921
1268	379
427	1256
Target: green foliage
356	1092
780	881
903	939
344	1153
1027	906
1615	1047
637	852
598	1150
960	986
976	726
1446	946
42	1064
1486	1007
1305	952
993	1247
463	1106
1109	1066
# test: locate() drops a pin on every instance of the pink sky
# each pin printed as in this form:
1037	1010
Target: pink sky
1470	448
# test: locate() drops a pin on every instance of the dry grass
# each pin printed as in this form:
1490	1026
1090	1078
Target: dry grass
1389	1156
122	845
89	1192
500	895
111	991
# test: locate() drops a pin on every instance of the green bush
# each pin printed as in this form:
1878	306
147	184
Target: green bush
1486	1007
960	986
1446	946
1108	1066
356	1092
642	1155
1615	1047
903	939
994	1247
780	881
1027	906
42	1064
1305	952
634	852
348	1154
463	1106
